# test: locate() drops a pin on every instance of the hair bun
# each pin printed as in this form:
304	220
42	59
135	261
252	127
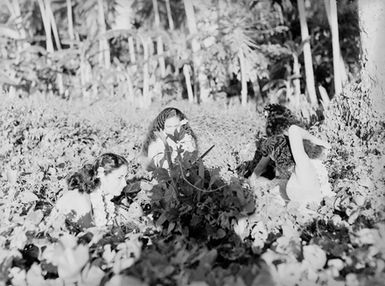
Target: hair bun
74	181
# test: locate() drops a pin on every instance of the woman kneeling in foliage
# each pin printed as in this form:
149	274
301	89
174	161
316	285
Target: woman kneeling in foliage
297	157
170	128
91	189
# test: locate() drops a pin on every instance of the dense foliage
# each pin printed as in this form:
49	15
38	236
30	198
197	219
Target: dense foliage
210	226
65	56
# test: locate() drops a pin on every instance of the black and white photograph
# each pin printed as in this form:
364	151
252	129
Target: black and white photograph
192	142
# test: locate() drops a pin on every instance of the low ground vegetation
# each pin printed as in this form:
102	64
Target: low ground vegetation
212	228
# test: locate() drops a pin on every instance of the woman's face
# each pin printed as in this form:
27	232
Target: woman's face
114	182
171	124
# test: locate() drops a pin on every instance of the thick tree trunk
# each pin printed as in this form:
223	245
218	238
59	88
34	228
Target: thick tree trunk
310	85
372	23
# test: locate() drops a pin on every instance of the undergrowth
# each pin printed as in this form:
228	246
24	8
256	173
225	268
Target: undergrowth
210	227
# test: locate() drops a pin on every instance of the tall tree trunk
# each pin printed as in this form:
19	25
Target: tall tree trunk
372	23
187	76
169	16
159	42
331	11
47	26
296	82
53	23
197	60
243	77
146	77
85	72
310	85
59	76
104	49
70	22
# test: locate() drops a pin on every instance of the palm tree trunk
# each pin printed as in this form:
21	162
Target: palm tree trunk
85	72
296	82
310	85
70	22
159	42
146	78
59	76
131	47
372	22
53	24
47	27
104	49
169	16
243	78
331	11
186	73
198	66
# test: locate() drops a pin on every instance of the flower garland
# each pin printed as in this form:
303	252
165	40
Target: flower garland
103	209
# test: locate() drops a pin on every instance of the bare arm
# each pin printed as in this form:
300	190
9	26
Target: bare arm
296	136
261	166
298	131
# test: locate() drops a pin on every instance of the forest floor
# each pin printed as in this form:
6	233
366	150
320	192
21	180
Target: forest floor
42	141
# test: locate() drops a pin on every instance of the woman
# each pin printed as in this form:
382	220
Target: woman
161	132
299	171
91	189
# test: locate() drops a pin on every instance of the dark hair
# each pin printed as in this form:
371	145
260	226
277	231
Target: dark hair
279	119
158	125
86	181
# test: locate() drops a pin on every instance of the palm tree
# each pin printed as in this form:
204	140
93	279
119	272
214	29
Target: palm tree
372	15
310	85
197	59
169	15
159	42
104	49
331	11
47	26
70	22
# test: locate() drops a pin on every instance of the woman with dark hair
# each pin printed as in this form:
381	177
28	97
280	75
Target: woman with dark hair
299	170
91	189
161	132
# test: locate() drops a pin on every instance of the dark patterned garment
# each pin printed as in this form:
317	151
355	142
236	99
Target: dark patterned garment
278	149
276	145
